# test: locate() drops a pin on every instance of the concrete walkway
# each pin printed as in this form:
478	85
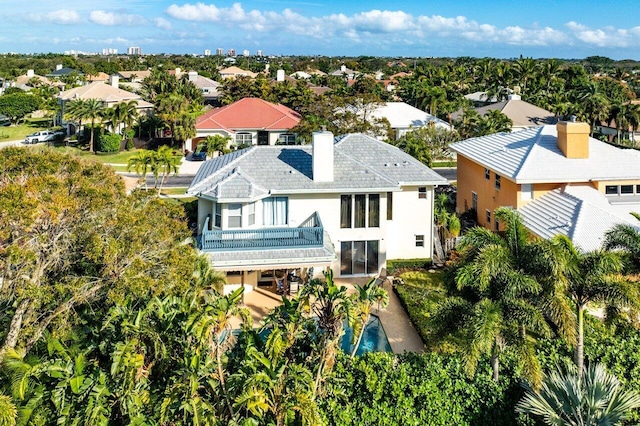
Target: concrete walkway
400	332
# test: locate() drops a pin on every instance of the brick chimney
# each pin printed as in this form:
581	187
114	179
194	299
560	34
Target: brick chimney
322	156
573	139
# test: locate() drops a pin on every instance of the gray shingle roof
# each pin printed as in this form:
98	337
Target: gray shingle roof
532	156
360	163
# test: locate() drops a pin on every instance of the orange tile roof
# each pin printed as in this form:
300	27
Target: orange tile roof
249	113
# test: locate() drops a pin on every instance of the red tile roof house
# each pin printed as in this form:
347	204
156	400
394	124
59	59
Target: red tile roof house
249	121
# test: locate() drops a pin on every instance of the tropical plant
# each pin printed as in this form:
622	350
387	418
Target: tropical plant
331	305
216	143
571	397
166	162
625	238
92	110
506	293
142	162
366	296
212	325
594	277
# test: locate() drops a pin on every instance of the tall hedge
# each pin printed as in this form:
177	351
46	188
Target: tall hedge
418	389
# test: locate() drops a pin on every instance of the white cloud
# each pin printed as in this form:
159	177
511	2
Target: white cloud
102	17
62	17
163	23
399	26
197	12
604	37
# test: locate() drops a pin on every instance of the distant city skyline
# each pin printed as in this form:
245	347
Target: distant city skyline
414	28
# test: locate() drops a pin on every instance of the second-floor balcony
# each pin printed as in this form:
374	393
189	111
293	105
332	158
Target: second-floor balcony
309	234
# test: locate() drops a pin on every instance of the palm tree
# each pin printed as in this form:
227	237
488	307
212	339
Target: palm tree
331	305
129	115
74	110
625	238
593	277
366	296
596	109
506	290
212	324
166	162
270	383
217	143
143	161
114	117
593	397
93	110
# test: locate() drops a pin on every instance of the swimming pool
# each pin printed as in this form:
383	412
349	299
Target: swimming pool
374	338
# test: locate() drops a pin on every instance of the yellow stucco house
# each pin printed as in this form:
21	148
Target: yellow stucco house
561	181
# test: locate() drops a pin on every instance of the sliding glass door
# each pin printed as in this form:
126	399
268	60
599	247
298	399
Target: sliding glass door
359	257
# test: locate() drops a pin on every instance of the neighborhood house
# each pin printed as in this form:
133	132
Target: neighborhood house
350	204
561	181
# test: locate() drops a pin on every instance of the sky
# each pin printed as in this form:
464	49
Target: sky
408	28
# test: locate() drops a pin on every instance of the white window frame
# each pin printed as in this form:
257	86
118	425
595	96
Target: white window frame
233	208
244	139
287	139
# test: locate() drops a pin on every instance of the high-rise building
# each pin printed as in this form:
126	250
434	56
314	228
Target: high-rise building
259	53
134	50
219	51
207	52
245	53
231	52
110	51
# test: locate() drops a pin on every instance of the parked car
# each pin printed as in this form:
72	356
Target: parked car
199	156
43	136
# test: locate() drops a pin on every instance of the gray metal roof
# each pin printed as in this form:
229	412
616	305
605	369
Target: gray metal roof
360	163
581	213
532	156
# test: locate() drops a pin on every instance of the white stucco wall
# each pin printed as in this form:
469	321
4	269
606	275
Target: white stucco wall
397	238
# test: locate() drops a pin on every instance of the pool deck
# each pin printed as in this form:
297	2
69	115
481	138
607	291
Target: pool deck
400	332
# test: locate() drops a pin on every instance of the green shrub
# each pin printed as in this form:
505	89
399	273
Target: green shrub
419	389
394	264
109	142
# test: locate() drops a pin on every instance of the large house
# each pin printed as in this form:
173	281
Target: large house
523	115
234	72
403	117
350	204
109	94
249	121
561	181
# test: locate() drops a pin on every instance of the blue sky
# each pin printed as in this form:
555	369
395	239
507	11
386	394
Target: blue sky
500	28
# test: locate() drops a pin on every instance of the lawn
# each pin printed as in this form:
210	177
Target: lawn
173	191
421	293
115	158
441	163
18	132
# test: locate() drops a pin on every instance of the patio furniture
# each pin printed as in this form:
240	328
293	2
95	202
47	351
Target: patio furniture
380	280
